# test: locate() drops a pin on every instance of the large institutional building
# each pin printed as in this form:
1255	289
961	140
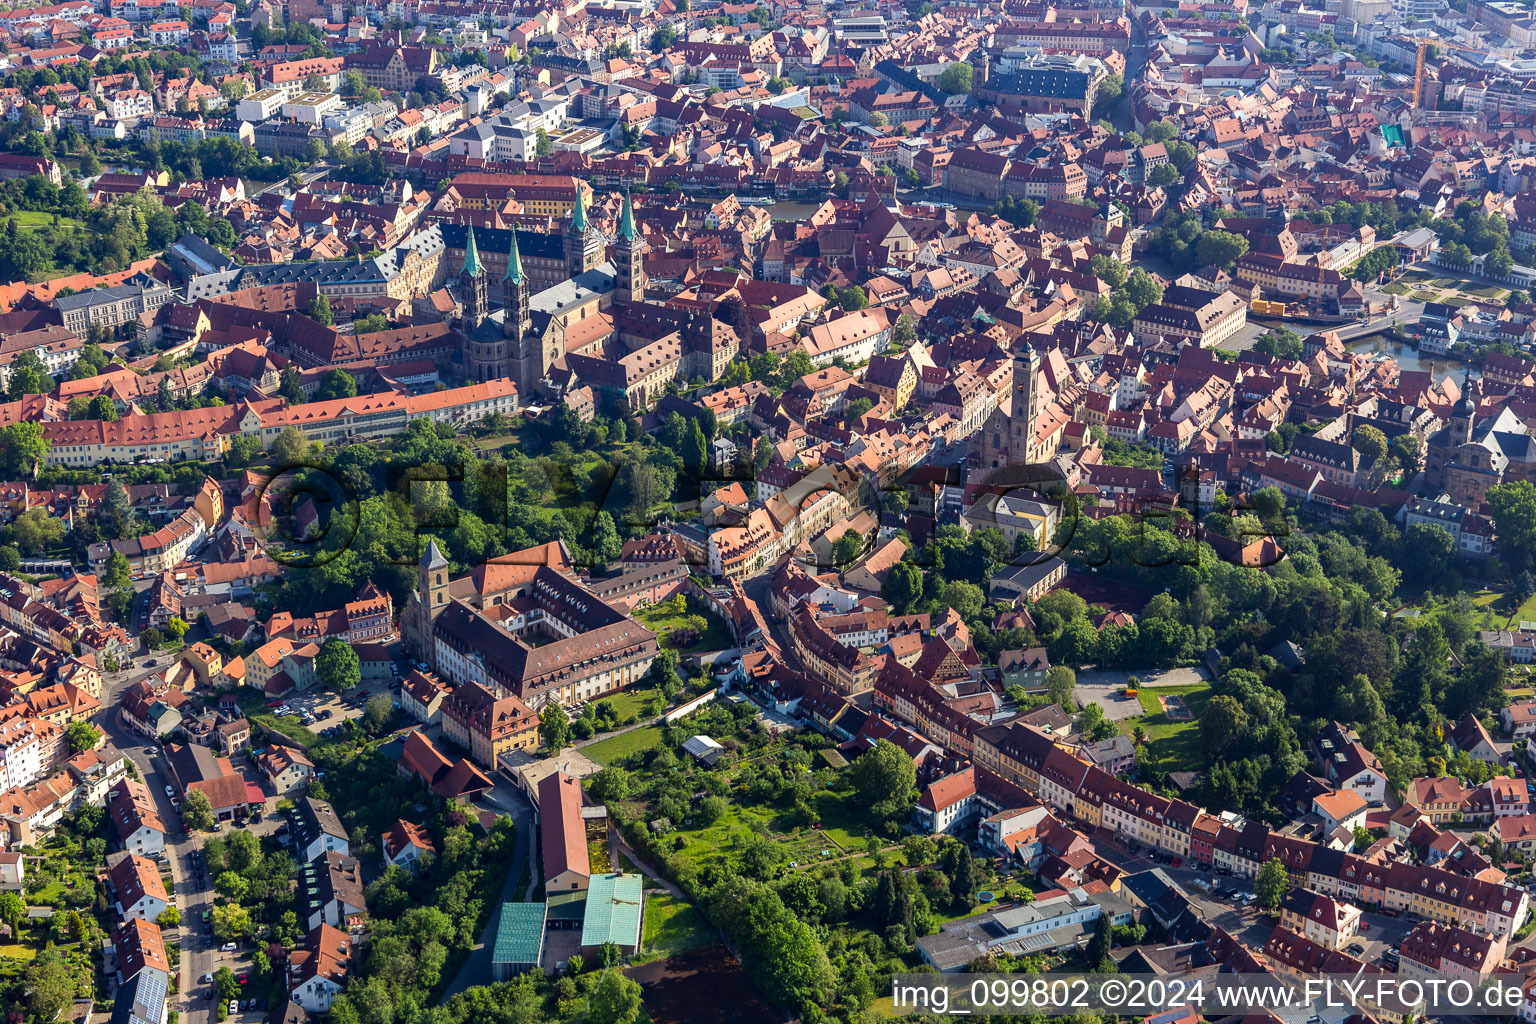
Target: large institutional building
523	626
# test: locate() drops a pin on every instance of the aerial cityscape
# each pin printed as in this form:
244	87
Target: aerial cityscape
691	512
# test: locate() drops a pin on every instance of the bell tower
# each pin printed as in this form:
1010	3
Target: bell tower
631	259
472	285
514	288
428	602
583	246
1026	404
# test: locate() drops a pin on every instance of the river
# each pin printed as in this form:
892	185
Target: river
1407	356
793	211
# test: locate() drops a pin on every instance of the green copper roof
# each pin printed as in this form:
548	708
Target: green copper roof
613	910
472	256
514	262
519	934
579	214
627	221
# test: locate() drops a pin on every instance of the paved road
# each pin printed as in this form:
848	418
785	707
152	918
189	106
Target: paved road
197	958
504	799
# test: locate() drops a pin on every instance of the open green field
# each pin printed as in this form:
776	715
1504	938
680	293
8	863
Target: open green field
672	926
663	618
616	748
631	702
1498	603
32	220
1168	739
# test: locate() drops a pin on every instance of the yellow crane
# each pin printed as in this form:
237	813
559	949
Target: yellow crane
1418	66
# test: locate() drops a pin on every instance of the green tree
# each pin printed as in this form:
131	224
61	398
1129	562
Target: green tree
853	298
22	448
231	886
320	309
1060	681
378	713
114	516
197	811
1281	343
1163	175
1221	722
956	79
291	386
1272	883
1514	517
1109	93
13	910
337	665
28	375
1108	269
554	727
103	408
1370	442
1097	950
902	587
49	982
170	917
1220	248
615	1000
336	384
81	735
847	549
884	777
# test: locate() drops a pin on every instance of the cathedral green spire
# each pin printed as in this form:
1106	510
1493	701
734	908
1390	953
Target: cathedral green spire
627	221
514	263
579	212
472	256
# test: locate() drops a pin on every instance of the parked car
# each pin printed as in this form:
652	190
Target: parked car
234	1006
228	947
1354	949
169	791
205	979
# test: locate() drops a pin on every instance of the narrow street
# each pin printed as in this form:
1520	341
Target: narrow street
504	799
198	957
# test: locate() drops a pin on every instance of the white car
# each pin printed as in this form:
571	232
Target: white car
205	979
169	791
228	947
234	1006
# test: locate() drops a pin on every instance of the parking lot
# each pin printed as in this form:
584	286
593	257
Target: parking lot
321	710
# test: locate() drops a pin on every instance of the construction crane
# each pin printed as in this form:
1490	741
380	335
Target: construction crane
1418	67
1418	64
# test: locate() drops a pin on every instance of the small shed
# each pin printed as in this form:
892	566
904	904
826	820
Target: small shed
519	940
704	749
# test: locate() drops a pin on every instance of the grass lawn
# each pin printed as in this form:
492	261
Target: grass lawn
1486	292
31	220
1423	296
1497	602
1168	739
15	952
672	926
629	702
663	618
1458	301
618	747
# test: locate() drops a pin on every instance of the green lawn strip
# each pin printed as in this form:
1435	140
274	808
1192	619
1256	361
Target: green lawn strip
630	702
616	748
672	926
